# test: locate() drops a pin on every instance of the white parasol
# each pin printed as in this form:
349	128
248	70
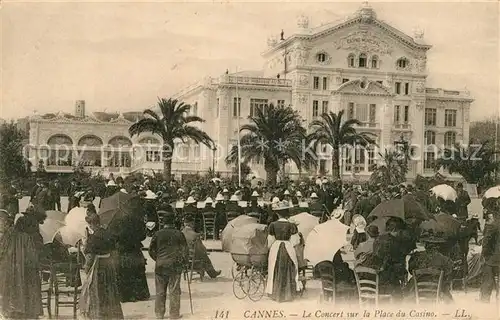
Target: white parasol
305	222
324	241
493	192
444	192
231	228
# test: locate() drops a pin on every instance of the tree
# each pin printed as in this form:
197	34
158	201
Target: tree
484	130
13	165
172	123
392	172
274	137
331	130
473	162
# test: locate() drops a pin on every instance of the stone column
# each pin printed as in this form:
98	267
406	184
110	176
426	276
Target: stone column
418	130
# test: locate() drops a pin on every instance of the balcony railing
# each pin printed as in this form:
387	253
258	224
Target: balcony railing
256	81
402	126
368	124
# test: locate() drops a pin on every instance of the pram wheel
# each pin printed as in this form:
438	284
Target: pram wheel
240	285
257	285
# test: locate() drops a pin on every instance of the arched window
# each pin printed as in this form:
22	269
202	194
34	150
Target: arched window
350	60
402	63
120	142
430	137
321	57
374	62
450	139
362	60
59	139
90	140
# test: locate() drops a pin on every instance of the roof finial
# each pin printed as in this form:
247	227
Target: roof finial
282	35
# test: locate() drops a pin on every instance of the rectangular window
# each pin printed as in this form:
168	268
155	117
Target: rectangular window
325	83
430	116
257	103
397	110
236	107
430	137
316	83
450	118
361	112
407	88
197	151
153	156
280	104
350	110
315	108
345	80
406	116
398	87
217	108
359	159
371	158
348	159
429	160
324	107
373	113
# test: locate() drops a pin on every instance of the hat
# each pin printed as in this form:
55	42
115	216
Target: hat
234	198
123	190
372	231
111	183
275	200
454	216
255	194
219	197
325	180
337	214
225	190
180	190
298	194
282	205
209	200
431	237
190	200
150	195
189	218
238	192
89	196
286	193
314	195
475	216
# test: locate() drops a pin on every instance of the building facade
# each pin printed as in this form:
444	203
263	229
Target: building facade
362	65
372	71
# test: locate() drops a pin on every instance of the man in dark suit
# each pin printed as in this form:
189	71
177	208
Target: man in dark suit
170	251
491	254
463	200
197	249
55	189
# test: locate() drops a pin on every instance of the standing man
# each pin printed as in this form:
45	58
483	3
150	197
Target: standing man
463	201
170	251
491	255
56	194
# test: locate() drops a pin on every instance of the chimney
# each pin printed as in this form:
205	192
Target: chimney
80	109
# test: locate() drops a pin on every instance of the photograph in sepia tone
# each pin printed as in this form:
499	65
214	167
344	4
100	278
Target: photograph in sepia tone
242	160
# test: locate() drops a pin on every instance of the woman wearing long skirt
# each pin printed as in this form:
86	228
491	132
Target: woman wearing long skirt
100	298
283	277
20	283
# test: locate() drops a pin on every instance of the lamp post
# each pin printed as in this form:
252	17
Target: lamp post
214	150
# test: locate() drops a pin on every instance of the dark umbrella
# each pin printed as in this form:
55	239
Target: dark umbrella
115	207
443	223
404	208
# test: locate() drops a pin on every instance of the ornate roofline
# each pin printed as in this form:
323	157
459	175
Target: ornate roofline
366	90
315	33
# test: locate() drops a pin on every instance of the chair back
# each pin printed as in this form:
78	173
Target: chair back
428	284
367	281
326	271
208	224
67	284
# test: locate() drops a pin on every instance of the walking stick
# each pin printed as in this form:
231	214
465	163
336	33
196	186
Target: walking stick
190	297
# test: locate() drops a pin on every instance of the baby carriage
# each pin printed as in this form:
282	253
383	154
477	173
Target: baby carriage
249	253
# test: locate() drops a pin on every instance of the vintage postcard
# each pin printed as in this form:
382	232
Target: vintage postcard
231	160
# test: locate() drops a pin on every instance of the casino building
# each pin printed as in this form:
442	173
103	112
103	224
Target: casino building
362	65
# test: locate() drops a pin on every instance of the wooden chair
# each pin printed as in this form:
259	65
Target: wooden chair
67	285
427	284
459	275
367	281
192	266
47	288
208	225
326	272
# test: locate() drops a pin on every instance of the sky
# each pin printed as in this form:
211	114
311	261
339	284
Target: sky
120	56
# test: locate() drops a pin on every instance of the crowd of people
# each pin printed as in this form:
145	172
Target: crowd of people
115	265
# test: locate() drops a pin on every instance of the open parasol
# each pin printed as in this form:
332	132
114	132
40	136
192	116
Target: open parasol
493	192
115	207
324	241
250	239
305	222
49	228
231	228
443	223
444	192
404	208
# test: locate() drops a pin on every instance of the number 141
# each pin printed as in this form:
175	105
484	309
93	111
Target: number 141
222	314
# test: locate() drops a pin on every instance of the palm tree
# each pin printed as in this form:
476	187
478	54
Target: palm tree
274	136
331	130
172	123
392	172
